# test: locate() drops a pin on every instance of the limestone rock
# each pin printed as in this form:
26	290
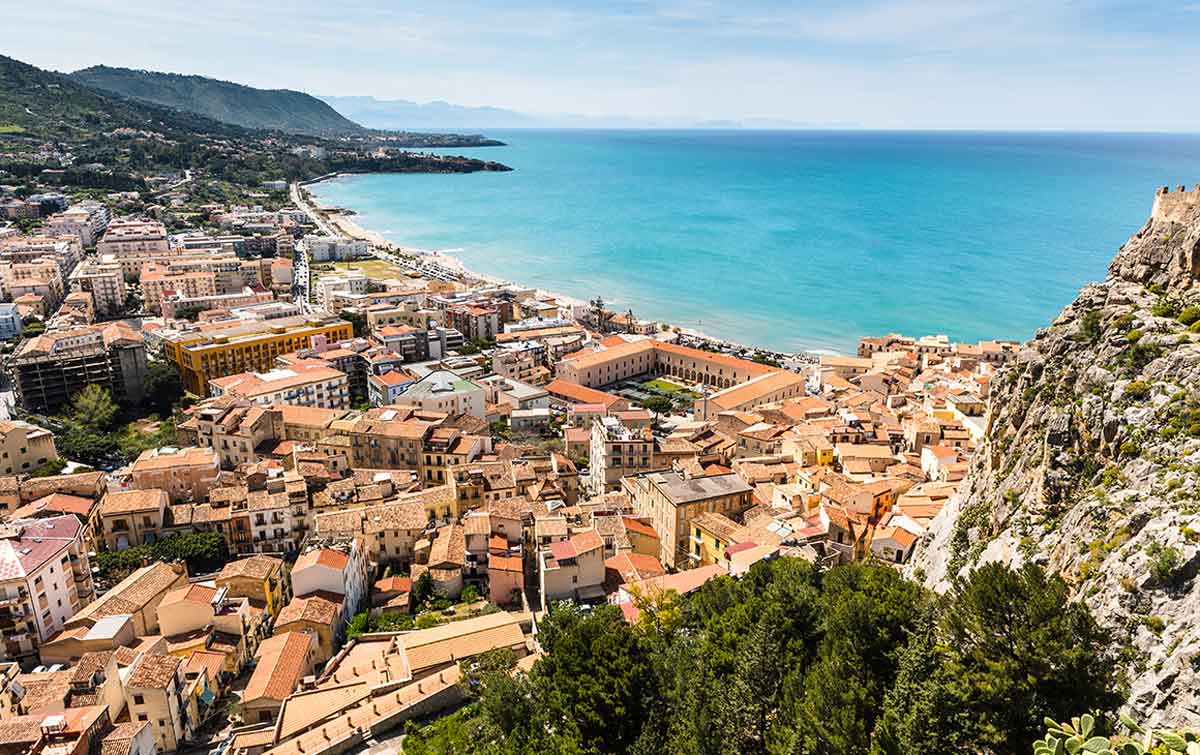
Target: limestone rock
1091	464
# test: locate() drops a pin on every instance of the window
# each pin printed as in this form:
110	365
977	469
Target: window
142	717
139	700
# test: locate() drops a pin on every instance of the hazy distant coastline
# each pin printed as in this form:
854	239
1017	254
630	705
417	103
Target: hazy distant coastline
408	115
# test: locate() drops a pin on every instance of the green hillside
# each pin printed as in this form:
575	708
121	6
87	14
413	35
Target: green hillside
272	109
47	105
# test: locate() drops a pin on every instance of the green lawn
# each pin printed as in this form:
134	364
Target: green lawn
662	386
11	128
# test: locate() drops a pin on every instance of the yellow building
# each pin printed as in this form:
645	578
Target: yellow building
25	447
711	534
671	501
260	579
246	346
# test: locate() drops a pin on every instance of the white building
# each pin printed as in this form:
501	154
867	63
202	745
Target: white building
300	384
444	391
87	220
349	282
335	566
10	321
334	248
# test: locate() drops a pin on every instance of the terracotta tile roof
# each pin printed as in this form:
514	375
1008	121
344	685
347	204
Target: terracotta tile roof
45	692
133	501
323	557
640	527
131	594
303	709
120	740
282	661
154	672
199	594
205	661
316	608
58	503
632	567
682	582
253	567
154	459
580	394
393	584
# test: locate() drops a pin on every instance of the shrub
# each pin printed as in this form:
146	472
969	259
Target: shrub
1155	624
1163	563
1089	325
1166	307
1137	389
1134	335
1189	315
1124	321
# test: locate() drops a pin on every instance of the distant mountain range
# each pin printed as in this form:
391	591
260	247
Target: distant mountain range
409	115
271	109
406	115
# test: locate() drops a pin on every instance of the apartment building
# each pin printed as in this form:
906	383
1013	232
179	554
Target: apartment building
40	277
45	578
572	569
86	220
133	242
335	248
135	598
11	322
444	391
617	451
200	616
304	383
476	323
334	566
386	387
260	579
157	693
24	447
65	250
103	278
173	303
241	345
157	280
672	500
49	369
186	474
348	282
131	517
78	308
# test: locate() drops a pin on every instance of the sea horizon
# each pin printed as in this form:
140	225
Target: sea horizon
795	240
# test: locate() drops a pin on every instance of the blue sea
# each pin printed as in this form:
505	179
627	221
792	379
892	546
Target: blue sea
793	240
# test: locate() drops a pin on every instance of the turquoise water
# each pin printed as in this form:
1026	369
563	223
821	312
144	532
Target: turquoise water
798	240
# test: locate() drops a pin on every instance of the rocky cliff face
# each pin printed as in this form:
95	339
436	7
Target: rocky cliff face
1091	465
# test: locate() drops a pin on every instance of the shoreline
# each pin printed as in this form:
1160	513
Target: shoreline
344	223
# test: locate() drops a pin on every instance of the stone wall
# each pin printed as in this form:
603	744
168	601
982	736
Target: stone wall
1173	206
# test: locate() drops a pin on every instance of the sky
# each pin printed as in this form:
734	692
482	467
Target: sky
992	64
